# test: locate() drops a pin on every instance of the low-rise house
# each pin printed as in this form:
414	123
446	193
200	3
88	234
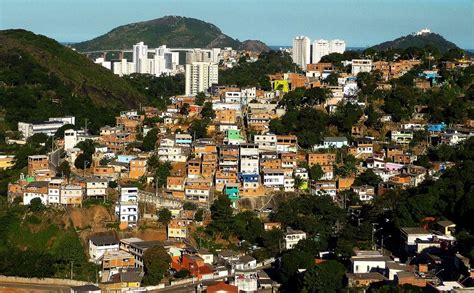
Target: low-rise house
36	189
364	192
137	248
411	234
292	237
287	143
333	142
117	259
369	262
401	137
177	228
197	189
222	287
245	273
324	187
100	244
363	280
274	178
96	187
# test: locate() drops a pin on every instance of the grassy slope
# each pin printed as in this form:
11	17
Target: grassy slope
78	72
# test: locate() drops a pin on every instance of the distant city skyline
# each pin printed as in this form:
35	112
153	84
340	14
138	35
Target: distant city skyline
276	22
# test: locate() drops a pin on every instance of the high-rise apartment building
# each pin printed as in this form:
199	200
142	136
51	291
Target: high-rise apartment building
200	76
337	46
140	57
302	51
322	48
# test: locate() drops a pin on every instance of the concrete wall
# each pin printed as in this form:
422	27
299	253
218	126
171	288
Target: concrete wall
45	281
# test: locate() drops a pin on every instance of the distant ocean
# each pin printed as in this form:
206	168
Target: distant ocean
275	47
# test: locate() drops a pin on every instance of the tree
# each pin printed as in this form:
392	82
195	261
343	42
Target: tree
199	215
64	169
68	249
200	98
221	215
60	132
82	161
164	216
150	139
325	277
184	109
156	261
189	206
198	128
368	177
316	172
291	262
38	138
181	274
36	205
207	111
332	79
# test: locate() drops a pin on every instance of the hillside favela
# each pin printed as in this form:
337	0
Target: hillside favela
240	146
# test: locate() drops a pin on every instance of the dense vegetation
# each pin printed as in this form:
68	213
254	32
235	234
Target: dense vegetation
173	31
41	79
421	41
256	73
35	243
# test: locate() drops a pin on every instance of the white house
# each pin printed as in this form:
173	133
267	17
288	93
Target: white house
292	237
129	193
369	261
274	178
96	187
99	244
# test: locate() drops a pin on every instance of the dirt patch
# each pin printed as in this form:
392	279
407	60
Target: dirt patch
152	234
94	218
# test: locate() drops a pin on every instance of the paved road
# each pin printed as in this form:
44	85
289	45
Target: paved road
23	287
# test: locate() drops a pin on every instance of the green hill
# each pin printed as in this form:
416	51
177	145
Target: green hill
419	41
40	78
173	31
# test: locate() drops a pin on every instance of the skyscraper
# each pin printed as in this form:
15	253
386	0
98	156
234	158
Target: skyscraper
200	76
337	46
302	51
140	58
320	49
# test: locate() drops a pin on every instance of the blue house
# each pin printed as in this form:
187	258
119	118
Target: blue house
436	127
231	190
244	177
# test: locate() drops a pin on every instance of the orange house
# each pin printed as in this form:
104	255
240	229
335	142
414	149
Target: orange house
322	159
270	164
194	167
226	116
103	171
37	162
137	168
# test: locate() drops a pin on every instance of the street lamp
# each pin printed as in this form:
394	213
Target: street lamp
381	243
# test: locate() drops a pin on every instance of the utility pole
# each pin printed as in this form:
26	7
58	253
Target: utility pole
72	264
85	128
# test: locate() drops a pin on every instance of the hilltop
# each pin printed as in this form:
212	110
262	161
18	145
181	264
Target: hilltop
41	78
420	40
173	31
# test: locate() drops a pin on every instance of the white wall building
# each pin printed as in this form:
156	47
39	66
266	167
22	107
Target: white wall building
292	237
361	65
302	51
200	76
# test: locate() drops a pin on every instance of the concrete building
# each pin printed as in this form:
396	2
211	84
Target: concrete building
322	48
200	76
361	65
302	51
47	127
292	237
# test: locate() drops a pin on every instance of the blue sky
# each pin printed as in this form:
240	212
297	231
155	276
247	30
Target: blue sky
359	22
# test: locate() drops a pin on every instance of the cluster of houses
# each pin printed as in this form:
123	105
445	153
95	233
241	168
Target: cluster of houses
428	249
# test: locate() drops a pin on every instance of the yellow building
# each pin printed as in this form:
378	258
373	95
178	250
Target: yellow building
281	85
6	162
